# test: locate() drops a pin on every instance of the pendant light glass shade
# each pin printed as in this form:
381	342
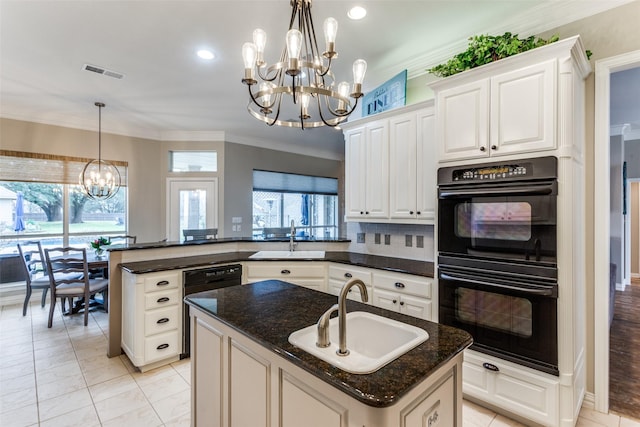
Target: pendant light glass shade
99	179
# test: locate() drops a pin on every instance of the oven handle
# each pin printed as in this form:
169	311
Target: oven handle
533	190
537	292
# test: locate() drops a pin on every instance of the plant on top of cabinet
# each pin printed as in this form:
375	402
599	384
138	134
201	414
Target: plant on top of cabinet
484	49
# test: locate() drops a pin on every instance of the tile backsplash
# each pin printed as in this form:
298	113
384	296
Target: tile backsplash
411	241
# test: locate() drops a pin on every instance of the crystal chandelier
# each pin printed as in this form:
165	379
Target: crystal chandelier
303	74
99	179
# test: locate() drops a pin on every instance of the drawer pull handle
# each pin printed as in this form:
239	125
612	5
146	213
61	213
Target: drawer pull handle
285	272
163	299
163	320
162	283
162	346
348	275
399	285
491	367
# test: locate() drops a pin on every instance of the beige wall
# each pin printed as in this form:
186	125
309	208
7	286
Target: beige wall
142	155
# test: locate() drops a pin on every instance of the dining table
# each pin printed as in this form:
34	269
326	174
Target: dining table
98	265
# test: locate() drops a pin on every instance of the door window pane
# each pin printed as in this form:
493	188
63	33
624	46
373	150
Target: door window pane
193	209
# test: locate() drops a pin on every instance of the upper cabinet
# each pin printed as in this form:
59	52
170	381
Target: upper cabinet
521	106
390	167
509	113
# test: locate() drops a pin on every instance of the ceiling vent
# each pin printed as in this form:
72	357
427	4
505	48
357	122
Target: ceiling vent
103	71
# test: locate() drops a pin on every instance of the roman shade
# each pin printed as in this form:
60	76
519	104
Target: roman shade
293	183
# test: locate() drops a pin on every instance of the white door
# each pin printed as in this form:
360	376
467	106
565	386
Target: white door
191	203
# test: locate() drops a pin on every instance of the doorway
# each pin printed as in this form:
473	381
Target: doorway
191	203
602	250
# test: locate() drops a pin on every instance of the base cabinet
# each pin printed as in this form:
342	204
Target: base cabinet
311	275
404	293
236	382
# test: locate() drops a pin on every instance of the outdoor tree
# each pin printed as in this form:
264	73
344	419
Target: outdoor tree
48	197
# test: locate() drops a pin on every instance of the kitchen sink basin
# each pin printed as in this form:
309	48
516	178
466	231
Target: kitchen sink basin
373	341
287	254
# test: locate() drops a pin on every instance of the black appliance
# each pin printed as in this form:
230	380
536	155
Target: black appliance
205	279
497	264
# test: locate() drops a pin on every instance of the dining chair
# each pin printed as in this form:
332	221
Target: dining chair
123	239
200	233
35	271
69	278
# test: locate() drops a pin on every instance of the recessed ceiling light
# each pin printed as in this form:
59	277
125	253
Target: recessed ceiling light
357	12
205	54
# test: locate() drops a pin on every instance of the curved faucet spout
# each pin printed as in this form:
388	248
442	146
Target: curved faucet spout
342	312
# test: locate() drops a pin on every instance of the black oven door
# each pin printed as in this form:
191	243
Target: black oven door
503	221
512	319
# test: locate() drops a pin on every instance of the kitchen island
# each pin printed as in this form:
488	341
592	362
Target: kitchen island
245	371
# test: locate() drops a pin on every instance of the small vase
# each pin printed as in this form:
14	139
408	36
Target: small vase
99	252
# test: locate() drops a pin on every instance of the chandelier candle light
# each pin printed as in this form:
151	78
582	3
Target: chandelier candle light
303	73
99	179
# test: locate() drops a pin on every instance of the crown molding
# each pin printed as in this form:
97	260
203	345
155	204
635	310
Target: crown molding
180	135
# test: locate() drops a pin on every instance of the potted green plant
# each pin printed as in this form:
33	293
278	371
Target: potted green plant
484	49
98	244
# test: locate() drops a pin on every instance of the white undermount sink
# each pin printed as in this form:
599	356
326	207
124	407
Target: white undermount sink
372	340
287	254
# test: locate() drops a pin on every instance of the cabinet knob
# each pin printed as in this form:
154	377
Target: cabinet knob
418	212
366	212
482	148
410	212
348	275
401	302
395	301
361	213
494	147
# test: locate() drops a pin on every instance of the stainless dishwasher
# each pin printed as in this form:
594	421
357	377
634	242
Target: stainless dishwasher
205	279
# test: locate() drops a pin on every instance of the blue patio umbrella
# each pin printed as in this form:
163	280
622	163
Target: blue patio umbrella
305	210
19	221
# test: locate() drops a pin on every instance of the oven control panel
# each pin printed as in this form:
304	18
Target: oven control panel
493	173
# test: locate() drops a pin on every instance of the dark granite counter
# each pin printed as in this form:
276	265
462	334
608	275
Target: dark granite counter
269	311
400	265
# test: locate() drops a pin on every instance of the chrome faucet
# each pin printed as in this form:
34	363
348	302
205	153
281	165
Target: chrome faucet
323	327
292	243
342	312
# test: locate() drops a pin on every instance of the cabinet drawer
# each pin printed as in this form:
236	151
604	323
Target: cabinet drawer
160	282
344	274
335	286
162	299
162	346
284	270
161	320
403	283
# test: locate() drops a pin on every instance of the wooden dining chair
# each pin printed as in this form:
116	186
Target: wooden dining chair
35	271
64	264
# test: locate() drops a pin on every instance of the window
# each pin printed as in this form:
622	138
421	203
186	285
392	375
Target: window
310	201
193	161
40	200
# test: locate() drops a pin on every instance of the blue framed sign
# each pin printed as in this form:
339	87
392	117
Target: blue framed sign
391	94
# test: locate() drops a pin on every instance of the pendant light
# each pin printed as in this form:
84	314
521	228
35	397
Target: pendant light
99	179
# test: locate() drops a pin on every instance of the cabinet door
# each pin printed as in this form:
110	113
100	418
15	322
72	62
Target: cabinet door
355	172
463	121
386	299
377	170
523	110
402	166
427	166
249	381
299	401
207	353
436	410
416	307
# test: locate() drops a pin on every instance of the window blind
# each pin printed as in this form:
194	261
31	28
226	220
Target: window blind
48	168
293	183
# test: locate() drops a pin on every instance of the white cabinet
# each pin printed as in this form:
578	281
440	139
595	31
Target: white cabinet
523	391
308	274
152	318
339	274
403	293
367	171
412	166
507	113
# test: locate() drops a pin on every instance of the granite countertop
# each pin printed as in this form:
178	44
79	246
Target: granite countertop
172	244
269	311
400	265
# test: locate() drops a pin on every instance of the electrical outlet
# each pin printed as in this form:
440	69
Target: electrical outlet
377	238
408	240
361	237
419	241
387	239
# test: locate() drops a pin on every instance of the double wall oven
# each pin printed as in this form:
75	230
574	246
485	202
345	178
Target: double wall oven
497	264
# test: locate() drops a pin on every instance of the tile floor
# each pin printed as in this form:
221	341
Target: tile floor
62	377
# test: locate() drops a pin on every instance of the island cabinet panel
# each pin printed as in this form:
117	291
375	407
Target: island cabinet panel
308	274
152	318
249	381
438	409
207	357
299	401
